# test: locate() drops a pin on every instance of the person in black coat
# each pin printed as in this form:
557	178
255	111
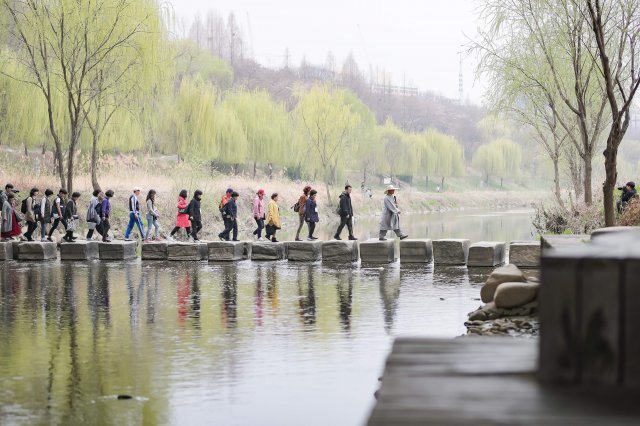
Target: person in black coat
230	215
194	214
70	216
311	213
346	213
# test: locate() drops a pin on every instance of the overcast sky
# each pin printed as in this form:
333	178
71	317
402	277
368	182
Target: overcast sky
416	40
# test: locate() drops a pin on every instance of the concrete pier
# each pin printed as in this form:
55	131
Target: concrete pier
79	250
268	251
340	251
376	251
117	250
304	251
486	253
416	251
450	251
155	251
6	250
524	254
227	251
187	251
31	250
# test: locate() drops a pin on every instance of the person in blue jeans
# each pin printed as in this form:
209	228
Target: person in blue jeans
134	215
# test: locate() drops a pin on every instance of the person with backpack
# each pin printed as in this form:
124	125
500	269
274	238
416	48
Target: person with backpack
29	208
71	217
311	214
273	218
195	216
390	220
182	219
225	199
45	214
93	218
104	210
345	210
230	215
134	215
57	211
152	215
10	219
298	207
258	213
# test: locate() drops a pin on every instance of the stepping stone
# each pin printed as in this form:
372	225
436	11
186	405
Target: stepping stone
117	250
155	251
416	251
486	253
376	251
340	251
6	250
304	251
187	251
79	250
450	251
267	251
524	254
15	246
37	251
226	251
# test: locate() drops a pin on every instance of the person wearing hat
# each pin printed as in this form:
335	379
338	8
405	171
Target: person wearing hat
225	199
134	215
390	220
628	193
258	213
302	202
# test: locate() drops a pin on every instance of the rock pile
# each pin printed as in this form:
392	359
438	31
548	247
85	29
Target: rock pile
510	305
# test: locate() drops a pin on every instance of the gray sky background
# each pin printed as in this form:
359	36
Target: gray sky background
416	40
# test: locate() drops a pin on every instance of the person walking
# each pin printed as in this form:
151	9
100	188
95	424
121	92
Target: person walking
45	214
390	220
57	211
311	214
93	219
134	215
346	214
300	205
195	217
152	216
230	215
182	219
225	199
258	213
71	217
30	213
10	218
273	218
105	213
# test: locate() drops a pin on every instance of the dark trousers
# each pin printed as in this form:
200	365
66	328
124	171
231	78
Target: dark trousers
345	221
229	225
312	227
177	228
196	226
98	229
103	228
31	227
56	222
270	231
260	223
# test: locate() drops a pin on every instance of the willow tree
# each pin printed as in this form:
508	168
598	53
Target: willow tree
395	144
500	157
448	154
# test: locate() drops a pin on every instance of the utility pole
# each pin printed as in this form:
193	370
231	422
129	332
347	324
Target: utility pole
460	81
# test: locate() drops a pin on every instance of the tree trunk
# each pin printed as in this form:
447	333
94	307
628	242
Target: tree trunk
94	162
588	190
270	171
255	169
326	186
427	182
364	176
501	183
442	185
556	183
610	166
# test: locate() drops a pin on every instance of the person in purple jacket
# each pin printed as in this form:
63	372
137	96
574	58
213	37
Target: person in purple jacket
105	211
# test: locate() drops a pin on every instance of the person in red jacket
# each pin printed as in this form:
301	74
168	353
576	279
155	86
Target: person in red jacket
182	220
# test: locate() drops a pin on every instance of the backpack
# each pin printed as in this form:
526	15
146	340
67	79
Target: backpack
98	209
338	210
23	206
296	207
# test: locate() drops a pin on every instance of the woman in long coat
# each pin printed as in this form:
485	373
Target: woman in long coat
273	218
10	219
390	220
182	219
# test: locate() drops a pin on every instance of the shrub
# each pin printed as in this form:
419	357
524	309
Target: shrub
577	219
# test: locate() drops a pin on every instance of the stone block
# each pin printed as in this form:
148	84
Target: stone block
226	251
155	251
79	250
32	250
525	254
559	241
187	251
340	251
118	250
451	251
486	253
304	251
15	245
416	251
265	250
622	230
6	250
376	251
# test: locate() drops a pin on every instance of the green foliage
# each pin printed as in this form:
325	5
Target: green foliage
500	157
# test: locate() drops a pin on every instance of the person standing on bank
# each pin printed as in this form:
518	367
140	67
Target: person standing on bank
311	214
273	218
134	215
31	213
258	213
346	213
182	219
93	219
152	215
105	213
390	220
302	202
45	214
71	217
230	215
57	212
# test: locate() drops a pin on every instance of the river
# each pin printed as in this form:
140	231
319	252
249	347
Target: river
245	343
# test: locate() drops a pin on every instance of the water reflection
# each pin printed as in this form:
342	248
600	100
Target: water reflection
344	286
307	295
229	296
389	295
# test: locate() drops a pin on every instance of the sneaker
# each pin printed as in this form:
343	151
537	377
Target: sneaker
352	238
128	239
402	237
337	237
221	239
106	240
298	239
314	238
42	240
49	239
273	240
382	239
310	239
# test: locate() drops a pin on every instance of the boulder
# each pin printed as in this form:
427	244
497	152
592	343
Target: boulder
79	250
155	251
187	251
524	254
416	251
227	251
33	250
267	251
450	251
376	251
304	251
118	250
490	311
340	251
504	274
486	253
6	250
513	295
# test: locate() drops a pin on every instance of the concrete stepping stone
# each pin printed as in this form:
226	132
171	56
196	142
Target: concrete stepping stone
226	251
450	251
340	251
117	250
187	251
79	250
486	253
266	250
524	254
304	251
416	251
6	250
15	246
155	251
376	251
32	250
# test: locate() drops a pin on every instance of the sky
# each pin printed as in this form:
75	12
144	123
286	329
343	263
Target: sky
416	41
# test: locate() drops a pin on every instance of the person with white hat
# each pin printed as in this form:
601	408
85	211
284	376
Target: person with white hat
134	215
390	220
